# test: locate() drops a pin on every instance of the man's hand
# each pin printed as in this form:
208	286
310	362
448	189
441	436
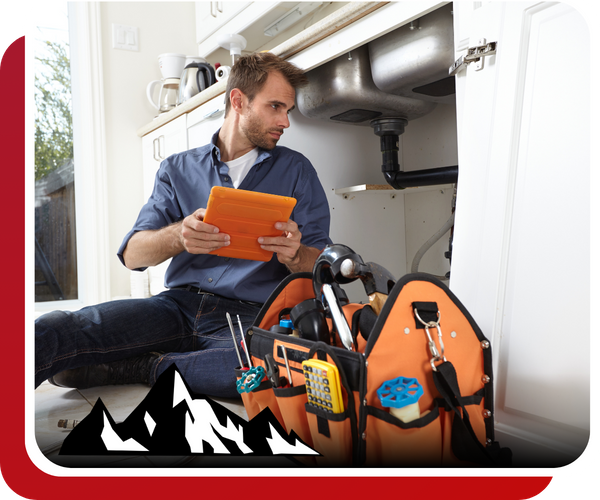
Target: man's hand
151	247
290	252
197	237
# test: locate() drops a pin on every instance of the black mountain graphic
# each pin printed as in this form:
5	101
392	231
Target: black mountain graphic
171	421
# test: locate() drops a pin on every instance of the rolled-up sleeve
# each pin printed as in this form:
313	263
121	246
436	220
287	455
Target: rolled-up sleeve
160	210
311	212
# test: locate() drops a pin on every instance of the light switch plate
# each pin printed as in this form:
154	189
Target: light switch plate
125	37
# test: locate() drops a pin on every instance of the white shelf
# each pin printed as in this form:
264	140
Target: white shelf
386	189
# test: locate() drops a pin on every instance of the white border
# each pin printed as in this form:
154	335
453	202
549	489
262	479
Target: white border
97	158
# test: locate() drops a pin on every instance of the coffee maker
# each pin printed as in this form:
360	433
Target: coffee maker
171	65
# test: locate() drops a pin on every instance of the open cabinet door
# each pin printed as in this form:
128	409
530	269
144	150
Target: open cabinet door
521	250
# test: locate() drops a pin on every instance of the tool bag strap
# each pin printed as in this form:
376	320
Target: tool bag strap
465	444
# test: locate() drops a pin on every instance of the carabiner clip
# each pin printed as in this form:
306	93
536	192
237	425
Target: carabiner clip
436	356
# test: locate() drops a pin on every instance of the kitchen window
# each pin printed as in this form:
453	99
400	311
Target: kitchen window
78	255
55	231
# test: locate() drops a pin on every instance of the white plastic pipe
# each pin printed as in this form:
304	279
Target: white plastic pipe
430	242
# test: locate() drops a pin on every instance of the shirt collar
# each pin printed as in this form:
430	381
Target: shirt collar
263	154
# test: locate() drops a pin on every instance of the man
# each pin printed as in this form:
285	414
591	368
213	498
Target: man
134	341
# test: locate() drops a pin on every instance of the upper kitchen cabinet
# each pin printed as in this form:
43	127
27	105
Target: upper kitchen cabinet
264	25
210	16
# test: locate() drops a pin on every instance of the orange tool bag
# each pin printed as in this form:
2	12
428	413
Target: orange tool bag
422	337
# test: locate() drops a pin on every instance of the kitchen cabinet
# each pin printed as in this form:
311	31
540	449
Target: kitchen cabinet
159	144
169	139
250	20
521	242
210	16
204	121
232	17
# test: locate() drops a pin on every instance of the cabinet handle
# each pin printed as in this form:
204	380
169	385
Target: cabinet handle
154	148
212	113
160	156
212	4
220	7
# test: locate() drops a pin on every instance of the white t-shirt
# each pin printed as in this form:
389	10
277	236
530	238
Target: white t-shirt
239	167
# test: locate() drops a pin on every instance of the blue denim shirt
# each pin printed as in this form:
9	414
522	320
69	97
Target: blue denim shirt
183	183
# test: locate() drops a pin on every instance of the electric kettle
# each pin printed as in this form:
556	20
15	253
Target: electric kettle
195	78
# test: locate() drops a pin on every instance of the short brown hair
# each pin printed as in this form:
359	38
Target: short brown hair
250	73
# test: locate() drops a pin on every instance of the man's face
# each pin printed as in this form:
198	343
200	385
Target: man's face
266	116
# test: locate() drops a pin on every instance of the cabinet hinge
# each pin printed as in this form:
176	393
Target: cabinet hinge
474	54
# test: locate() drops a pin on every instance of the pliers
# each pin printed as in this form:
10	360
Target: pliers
273	372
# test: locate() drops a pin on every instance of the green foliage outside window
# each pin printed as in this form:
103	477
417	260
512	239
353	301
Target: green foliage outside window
53	118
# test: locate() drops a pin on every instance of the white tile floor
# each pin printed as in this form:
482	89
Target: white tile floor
54	403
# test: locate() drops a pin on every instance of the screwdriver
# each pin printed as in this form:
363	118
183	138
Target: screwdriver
244	345
287	366
234	340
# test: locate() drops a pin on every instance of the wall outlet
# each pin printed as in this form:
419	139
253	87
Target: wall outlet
125	37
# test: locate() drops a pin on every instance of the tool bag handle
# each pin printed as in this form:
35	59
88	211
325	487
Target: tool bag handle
465	444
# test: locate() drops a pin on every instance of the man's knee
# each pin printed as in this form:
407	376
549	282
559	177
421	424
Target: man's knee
54	320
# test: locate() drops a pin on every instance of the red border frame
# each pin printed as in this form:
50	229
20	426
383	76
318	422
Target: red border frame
27	480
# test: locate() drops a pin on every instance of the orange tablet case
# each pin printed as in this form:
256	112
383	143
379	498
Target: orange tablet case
244	216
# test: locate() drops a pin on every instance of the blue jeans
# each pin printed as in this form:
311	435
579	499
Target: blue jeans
191	328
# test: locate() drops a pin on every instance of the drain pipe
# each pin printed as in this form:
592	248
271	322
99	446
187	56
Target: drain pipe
389	130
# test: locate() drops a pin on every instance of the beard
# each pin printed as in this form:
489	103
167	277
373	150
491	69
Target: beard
259	136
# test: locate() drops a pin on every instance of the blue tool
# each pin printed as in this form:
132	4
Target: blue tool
251	379
401	396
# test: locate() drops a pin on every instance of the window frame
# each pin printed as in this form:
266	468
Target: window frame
89	151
